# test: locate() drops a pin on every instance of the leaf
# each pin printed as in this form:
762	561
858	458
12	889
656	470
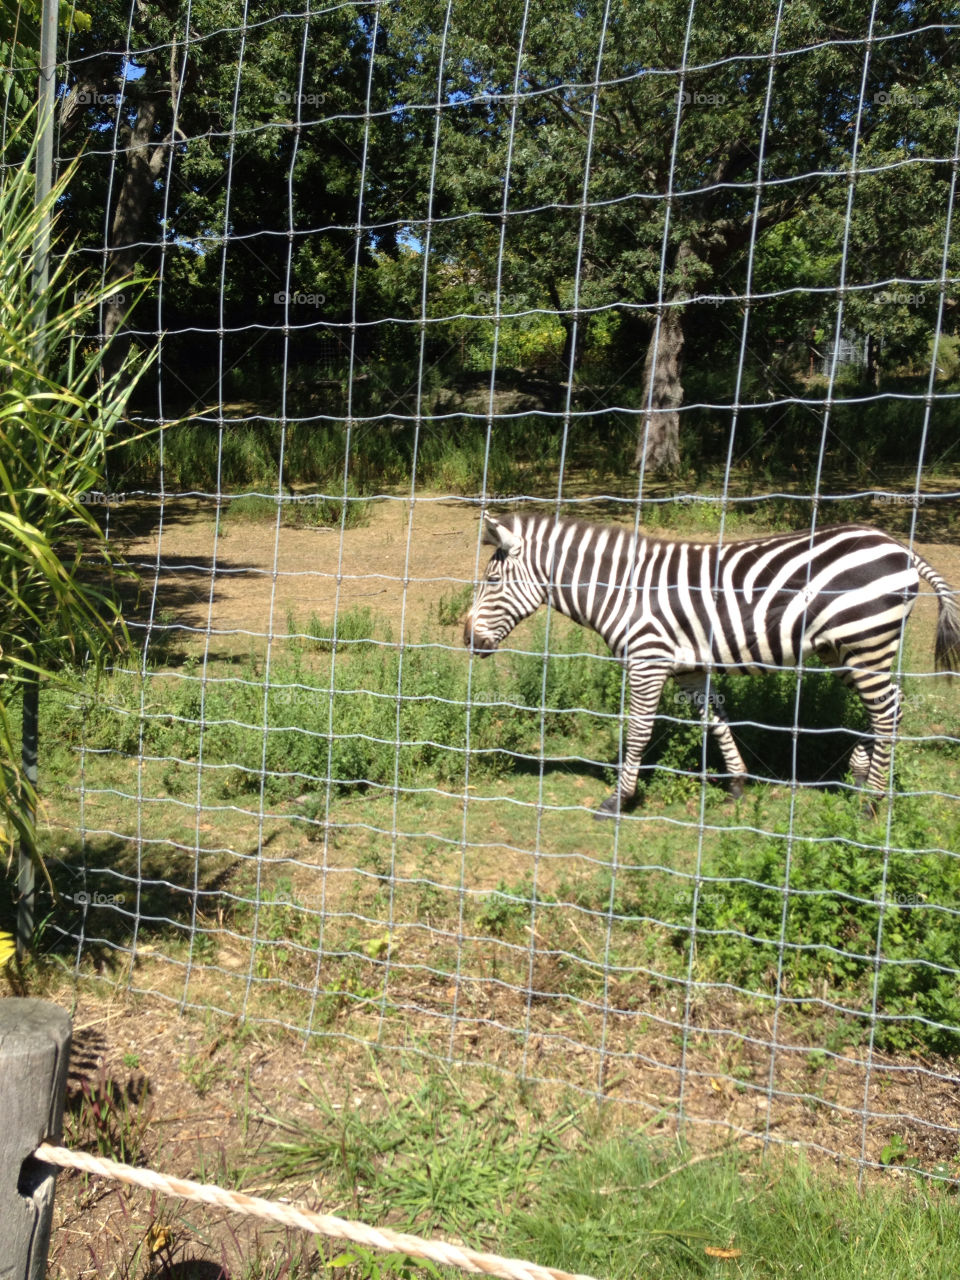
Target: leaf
376	947
159	1237
345	1259
8	948
714	1251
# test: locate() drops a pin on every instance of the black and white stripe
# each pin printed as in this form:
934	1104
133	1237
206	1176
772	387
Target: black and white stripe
685	609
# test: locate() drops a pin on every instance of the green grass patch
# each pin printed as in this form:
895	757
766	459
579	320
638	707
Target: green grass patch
485	1161
630	1208
300	511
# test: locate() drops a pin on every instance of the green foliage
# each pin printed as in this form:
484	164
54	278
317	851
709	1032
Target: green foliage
367	1265
352	627
830	921
452	607
347	732
300	511
439	1159
59	407
505	909
347	344
570	675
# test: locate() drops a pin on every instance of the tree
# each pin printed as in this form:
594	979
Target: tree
586	178
671	161
225	147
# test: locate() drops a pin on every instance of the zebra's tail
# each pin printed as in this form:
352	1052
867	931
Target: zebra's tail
947	648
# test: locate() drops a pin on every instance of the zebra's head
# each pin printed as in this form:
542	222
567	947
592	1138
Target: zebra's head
509	590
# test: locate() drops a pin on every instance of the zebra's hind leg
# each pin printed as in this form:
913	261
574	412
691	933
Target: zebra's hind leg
694	687
609	808
646	686
871	763
860	755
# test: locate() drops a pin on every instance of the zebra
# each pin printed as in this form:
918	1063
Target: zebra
688	609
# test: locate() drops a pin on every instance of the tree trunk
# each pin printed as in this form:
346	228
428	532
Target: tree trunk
144	165
658	443
871	365
572	332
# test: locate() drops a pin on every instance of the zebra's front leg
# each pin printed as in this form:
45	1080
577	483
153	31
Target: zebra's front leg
859	764
646	686
694	686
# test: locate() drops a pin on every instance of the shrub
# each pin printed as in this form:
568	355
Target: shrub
830	927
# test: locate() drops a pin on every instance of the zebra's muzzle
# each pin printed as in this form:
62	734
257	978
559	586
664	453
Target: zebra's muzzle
477	642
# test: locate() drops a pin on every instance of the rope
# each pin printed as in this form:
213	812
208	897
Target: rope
288	1215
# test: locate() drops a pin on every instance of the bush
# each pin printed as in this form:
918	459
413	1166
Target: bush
831	923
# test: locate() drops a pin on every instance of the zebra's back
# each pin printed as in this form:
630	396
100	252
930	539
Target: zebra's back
747	604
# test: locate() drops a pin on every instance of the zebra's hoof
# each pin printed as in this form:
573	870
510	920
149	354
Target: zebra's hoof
610	808
736	786
869	810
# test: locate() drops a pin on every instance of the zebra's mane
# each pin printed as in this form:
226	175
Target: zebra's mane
522	522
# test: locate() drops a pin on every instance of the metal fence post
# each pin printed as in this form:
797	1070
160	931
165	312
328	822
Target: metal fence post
34	1055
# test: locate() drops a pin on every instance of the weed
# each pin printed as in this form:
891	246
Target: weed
896	1151
350	627
364	1264
435	1160
829	922
505	909
452	606
111	1120
307	510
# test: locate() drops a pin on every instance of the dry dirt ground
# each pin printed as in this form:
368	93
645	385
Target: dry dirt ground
204	1086
397	564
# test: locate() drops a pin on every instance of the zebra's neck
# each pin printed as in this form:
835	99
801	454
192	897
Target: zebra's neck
586	569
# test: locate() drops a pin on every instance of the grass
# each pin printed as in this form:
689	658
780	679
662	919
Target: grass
512	789
300	510
510	1169
630	1209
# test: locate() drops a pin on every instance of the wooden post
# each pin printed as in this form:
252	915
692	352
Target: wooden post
34	1054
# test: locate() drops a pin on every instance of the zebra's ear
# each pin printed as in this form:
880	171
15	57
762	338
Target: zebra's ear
498	535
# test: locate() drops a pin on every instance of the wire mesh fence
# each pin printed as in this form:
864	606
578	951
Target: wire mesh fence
409	263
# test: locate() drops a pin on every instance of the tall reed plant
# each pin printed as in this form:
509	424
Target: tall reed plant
60	407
